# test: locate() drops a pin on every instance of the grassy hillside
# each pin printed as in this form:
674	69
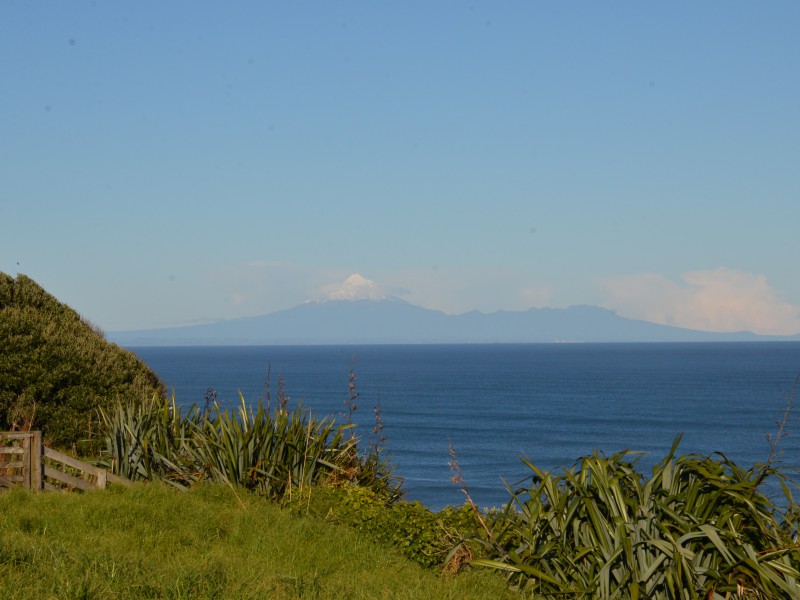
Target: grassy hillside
151	541
56	369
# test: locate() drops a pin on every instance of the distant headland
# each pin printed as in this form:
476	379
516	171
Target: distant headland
395	321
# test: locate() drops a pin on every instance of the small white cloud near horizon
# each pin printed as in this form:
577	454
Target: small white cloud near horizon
355	287
721	299
538	297
238	298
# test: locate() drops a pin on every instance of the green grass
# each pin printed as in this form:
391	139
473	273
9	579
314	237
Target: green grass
151	541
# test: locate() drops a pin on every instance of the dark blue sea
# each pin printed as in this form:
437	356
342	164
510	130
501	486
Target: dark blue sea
551	403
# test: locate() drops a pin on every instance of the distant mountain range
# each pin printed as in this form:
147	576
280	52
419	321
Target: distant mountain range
394	321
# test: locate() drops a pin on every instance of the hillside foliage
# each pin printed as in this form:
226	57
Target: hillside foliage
56	369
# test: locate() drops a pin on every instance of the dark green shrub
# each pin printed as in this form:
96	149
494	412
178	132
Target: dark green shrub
56	369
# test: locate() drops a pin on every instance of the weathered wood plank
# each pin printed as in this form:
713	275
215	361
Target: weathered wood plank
70	461
14	435
75	482
29	453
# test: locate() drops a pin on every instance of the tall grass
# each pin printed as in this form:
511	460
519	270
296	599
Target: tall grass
149	541
698	527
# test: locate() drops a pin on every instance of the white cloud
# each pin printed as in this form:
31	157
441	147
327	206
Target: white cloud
712	300
238	298
355	287
537	296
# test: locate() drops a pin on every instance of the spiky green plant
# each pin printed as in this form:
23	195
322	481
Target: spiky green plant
147	440
699	527
270	453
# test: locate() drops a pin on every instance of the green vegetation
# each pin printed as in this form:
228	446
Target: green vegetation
56	369
699	527
335	524
308	464
428	538
273	454
151	541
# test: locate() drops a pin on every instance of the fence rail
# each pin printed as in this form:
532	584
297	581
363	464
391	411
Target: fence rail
26	462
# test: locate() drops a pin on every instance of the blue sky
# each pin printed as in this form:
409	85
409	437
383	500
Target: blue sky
173	163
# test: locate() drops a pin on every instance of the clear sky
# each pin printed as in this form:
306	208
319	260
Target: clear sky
170	163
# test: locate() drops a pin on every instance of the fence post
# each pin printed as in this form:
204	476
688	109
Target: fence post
36	465
26	461
102	479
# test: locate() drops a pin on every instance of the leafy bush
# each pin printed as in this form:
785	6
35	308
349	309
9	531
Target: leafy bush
424	536
699	527
56	369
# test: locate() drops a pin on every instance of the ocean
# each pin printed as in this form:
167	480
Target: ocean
495	403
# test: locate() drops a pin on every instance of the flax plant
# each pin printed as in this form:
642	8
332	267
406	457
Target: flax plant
148	440
699	527
269	453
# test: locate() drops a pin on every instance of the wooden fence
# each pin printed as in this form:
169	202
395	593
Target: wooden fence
26	462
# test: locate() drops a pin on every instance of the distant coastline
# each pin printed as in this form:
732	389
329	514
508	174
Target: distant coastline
394	321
